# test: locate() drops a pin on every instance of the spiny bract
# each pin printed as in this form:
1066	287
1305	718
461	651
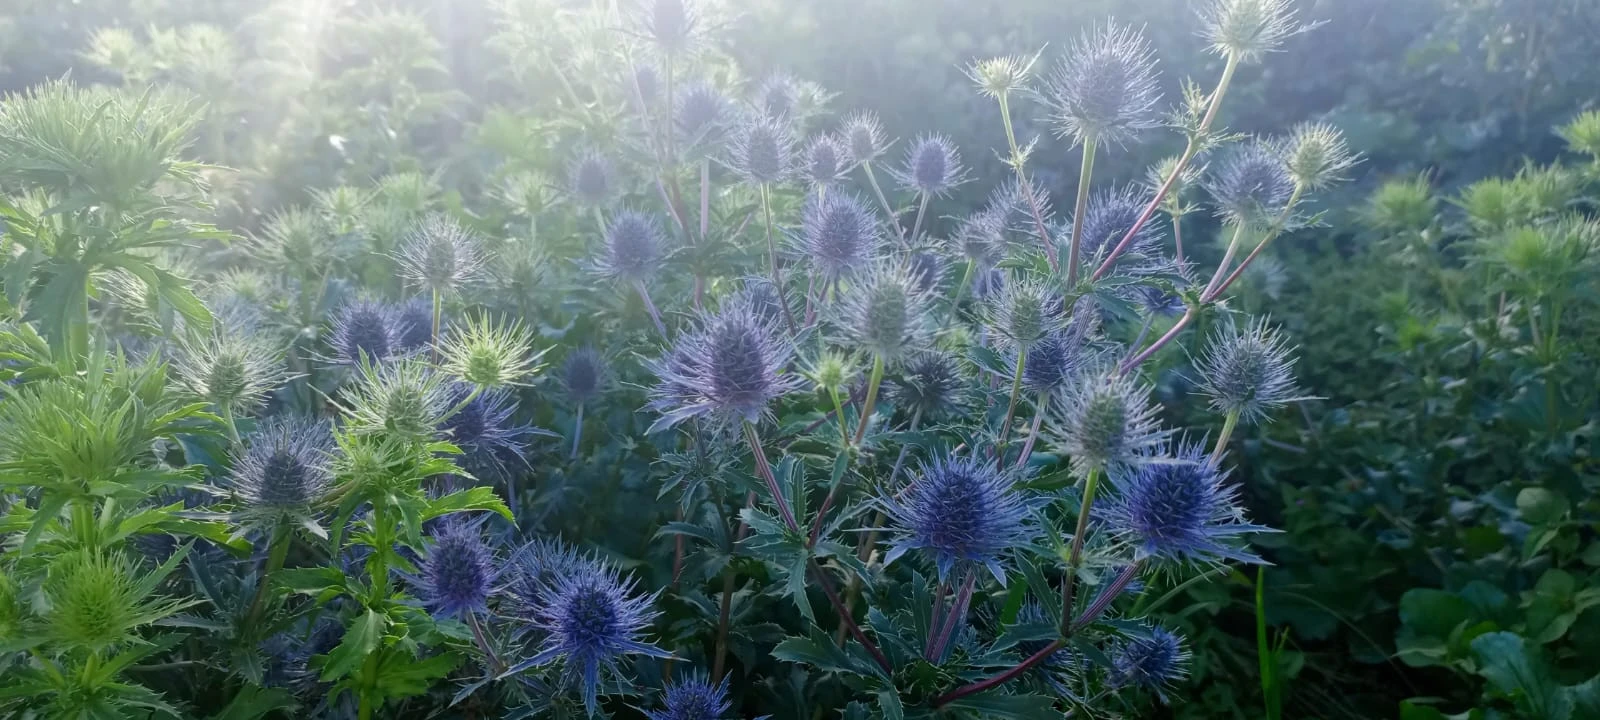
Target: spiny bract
958	510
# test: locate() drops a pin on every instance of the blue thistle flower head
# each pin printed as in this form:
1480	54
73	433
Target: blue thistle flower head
1052	363
839	233
981	238
826	161
458	571
886	313
366	330
927	268
958	510
1151	660
863	137
590	179
1105	89
1110	214
584	375
931	383
491	442
533	567
1106	421
932	166
441	255
761	151
284	472
702	111
1022	313
592	620
644	85
672	25
1247	371
1179	510
778	96
763	298
730	368
1159	301
412	322
1251	185
693	698
633	247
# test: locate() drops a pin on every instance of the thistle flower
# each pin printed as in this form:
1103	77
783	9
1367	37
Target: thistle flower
95	600
412	326
832	371
1057	669
825	161
672	25
441	256
761	151
1251	185
1317	155
365	332
230	370
584	375
590	179
533	567
1179	510
1020	314
457	573
1175	203
1110	214
1106	422
482	427
1247	371
404	397
927	268
592	620
998	77
1105	89
1052	362
701	112
1247	29
1151	660
957	510
693	698
730	368
932	166
981	238
778	96
633	247
838	233
863	137
886	314
644	86
283	474
489	354
931	384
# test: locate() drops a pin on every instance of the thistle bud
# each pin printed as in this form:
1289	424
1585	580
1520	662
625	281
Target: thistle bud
1317	155
488	354
863	137
441	256
1247	371
1247	29
761	151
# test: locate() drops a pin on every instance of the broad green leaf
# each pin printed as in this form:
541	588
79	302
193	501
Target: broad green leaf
360	639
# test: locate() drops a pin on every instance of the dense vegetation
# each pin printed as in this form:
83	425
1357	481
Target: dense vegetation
692	360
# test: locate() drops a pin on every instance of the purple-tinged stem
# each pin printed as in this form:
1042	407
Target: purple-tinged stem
849	621
1033	432
958	611
1104	599
649	306
1133	362
765	469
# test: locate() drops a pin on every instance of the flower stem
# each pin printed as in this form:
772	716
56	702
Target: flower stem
922	209
838	409
1018	163
765	470
772	259
1001	679
1106	596
1228	424
849	621
1133	362
1085	175
1011	408
872	179
958	611
577	432
482	640
433	333
276	554
1227	260
872	399
1075	561
650	307
1033	432
728	581
1272	234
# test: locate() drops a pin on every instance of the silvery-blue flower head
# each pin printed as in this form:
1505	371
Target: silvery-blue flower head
958	510
825	161
589	179
981	238
458	571
932	166
927	268
886	313
693	698
284	471
931	384
1105	421
584	375
1021	314
592	620
644	86
492	443
1150	660
1247	371
413	324
863	137
671	25
1251	184
367	330
1179	510
730	368
1110	214
701	114
633	247
761	151
778	95
441	255
838	233
1105	89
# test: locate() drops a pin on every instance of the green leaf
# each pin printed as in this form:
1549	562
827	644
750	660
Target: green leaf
1433	613
402	676
889	705
1018	707
360	639
1539	506
477	498
1520	674
819	652
253	702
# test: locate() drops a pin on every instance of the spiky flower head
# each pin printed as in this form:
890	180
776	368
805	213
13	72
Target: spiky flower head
1109	215
590	179
1105	88
95	599
825	161
491	442
885	312
730	368
998	77
1582	134
958	510
489	354
932	384
441	256
404	397
1179	510
981	238
839	233
1021	314
644	86
863	137
1247	371
832	370
458	571
633	247
762	150
1251	184
1402	205
412	326
932	166
364	331
701	113
1176	202
230	370
927	268
1053	362
592	620
283	474
1151	660
1247	29
1106	421
778	96
693	698
671	25
584	375
1317	155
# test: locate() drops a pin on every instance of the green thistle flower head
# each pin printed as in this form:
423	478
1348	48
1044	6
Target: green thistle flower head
833	370
1248	29
230	370
1317	155
488	354
886	313
998	77
96	600
402	398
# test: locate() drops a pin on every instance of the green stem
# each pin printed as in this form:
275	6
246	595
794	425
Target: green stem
1273	231
1033	432
872	179
1085	175
772	260
1075	562
438	313
1011	407
577	432
872	399
1019	163
838	411
226	410
1228	424
922	209
966	282
276	554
